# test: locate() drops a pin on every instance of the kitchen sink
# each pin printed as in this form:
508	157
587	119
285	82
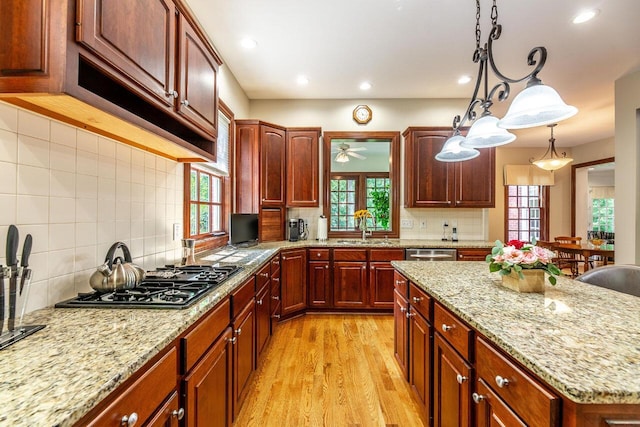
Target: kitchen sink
380	242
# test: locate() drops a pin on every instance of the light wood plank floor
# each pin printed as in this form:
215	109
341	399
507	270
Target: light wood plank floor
330	370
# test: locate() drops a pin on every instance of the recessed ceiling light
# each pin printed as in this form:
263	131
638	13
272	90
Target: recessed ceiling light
464	80
365	86
248	43
302	80
585	15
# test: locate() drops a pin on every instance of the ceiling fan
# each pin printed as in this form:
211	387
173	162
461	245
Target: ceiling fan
344	151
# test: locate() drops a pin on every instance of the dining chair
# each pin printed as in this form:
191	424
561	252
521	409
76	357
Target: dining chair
567	259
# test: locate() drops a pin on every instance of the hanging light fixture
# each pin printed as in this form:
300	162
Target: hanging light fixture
535	106
553	161
342	157
452	151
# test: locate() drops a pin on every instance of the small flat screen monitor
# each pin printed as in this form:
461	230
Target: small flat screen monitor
244	229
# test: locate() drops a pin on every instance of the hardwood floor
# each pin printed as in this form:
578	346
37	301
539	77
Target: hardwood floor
330	370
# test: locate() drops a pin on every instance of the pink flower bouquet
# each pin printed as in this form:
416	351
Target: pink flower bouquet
517	255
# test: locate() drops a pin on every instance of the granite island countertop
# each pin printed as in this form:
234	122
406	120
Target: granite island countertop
583	340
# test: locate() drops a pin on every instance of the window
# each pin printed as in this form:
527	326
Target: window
526	209
353	192
207	190
602	213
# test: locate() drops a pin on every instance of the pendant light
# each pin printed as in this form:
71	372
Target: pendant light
551	160
453	151
342	157
537	105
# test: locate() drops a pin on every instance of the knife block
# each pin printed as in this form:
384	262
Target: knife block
18	329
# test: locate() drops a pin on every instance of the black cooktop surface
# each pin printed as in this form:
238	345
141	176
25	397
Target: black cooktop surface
166	287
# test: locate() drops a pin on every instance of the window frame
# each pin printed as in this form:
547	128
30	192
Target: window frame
360	179
220	238
544	210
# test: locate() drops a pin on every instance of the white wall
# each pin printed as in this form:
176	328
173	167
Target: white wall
627	138
77	193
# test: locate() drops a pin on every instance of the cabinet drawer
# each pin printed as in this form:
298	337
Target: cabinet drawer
242	296
533	403
401	284
473	254
386	254
318	254
420	301
262	276
349	254
459	335
200	338
145	395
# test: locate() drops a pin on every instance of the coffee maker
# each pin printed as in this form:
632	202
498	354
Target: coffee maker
296	230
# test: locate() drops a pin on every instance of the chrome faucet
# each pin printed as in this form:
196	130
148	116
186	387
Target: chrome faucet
365	233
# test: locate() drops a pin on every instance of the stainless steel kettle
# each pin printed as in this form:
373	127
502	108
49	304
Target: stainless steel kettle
117	273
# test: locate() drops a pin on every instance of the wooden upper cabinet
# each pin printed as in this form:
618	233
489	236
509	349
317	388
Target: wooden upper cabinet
272	166
431	183
303	167
136	38
247	167
33	34
198	80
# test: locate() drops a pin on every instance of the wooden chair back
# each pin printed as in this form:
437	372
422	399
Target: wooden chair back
568	240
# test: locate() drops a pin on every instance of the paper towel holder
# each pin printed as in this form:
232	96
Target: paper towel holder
322	228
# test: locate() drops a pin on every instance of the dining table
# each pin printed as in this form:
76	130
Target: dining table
587	250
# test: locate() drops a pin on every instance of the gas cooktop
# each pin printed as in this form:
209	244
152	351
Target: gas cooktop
166	287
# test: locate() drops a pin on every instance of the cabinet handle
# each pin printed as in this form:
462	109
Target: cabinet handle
276	279
275	316
185	103
410	314
259	302
402	309
238	331
417	299
501	382
265	275
129	420
399	282
461	378
284	258
275	297
319	254
446	327
232	340
276	262
477	397
179	414
171	93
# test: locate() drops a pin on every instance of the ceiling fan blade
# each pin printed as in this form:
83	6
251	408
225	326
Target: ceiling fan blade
358	149
356	155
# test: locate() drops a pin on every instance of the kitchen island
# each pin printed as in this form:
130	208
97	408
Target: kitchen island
581	340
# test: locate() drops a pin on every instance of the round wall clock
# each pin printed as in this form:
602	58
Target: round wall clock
362	114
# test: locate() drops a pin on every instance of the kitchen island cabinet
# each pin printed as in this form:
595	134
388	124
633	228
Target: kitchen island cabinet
293	281
522	358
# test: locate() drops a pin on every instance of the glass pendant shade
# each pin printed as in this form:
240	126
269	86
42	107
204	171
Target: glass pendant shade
553	163
342	157
485	133
537	105
452	151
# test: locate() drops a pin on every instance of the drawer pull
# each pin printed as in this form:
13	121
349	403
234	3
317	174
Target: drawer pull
410	315
326	267
502	382
275	316
275	297
461	378
179	414
265	275
232	340
238	331
399	282
402	309
477	397
259	302
318	254
129	420
416	300
446	328
276	279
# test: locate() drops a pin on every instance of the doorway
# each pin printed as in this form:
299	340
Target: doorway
592	199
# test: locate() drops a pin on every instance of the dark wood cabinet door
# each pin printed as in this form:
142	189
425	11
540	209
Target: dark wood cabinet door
135	38
33	34
400	336
271	227
381	276
319	284
293	281
350	284
244	354
168	415
491	410
428	182
208	387
198	81
303	167
272	166
475	181
247	166
451	386
263	318
420	351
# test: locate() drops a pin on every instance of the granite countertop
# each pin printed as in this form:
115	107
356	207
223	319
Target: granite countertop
375	242
582	340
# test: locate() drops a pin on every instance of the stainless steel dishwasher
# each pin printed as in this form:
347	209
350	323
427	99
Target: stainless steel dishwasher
430	254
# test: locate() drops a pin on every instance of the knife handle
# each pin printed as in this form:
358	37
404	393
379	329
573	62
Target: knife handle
26	250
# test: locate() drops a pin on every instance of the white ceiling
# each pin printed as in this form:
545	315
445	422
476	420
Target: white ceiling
419	49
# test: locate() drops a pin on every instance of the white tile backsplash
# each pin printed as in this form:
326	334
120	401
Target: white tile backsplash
77	193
